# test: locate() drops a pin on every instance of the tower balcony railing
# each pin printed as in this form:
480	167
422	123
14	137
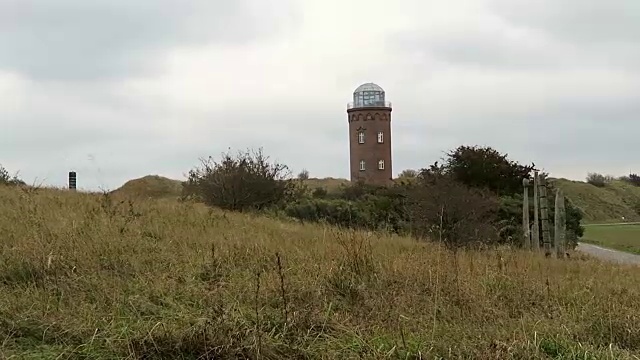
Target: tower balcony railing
368	104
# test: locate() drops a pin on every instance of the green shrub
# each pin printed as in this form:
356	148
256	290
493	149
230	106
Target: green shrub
598	180
247	181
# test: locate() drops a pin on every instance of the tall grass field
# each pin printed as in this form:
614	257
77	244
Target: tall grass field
92	276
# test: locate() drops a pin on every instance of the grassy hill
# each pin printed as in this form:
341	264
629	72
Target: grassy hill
329	184
150	186
608	204
83	277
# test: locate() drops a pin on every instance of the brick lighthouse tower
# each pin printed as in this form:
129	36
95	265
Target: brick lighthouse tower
370	135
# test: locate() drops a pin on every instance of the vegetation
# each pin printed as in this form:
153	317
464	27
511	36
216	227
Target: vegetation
151	186
633	179
619	201
246	181
619	237
7	179
303	175
91	276
160	269
474	195
598	180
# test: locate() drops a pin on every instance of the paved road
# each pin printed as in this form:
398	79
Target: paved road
614	224
608	254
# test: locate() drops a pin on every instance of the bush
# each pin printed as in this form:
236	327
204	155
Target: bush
633	179
247	181
448	210
303	175
336	212
598	180
408	173
7	179
377	209
319	193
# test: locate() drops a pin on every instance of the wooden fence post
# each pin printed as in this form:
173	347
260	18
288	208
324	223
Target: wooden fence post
535	228
560	224
526	232
544	216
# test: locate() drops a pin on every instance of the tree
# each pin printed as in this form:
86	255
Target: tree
303	175
485	168
247	181
482	167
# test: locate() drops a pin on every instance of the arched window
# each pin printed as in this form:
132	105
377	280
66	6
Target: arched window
380	137
380	164
361	137
361	165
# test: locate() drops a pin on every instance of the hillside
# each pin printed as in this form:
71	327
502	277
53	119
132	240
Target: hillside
150	186
608	204
329	184
84	277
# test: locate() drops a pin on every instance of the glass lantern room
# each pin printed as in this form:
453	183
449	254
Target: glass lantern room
369	95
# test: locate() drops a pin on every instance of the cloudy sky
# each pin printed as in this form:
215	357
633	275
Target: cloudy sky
119	89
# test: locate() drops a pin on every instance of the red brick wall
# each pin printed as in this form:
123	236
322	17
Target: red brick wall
371	120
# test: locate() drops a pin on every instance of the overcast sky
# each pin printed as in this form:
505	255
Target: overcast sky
119	89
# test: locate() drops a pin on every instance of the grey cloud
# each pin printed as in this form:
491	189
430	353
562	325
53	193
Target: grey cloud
537	35
604	32
76	39
586	21
479	47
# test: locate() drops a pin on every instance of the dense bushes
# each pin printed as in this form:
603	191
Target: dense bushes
452	212
473	196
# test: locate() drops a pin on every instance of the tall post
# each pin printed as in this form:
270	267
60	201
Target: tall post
72	180
560	224
544	216
525	215
535	229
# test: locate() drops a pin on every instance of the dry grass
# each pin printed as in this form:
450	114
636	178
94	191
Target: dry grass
85	276
603	205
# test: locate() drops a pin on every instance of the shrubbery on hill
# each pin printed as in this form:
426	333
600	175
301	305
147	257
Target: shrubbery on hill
633	179
598	180
474	196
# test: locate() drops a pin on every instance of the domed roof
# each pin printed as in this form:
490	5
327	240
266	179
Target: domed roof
368	87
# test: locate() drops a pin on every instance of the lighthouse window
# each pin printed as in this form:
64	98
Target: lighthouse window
361	137
380	137
361	165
